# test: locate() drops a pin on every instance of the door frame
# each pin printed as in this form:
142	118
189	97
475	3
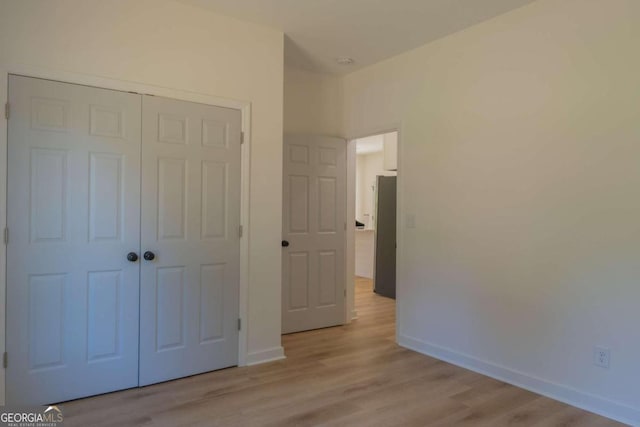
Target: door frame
143	89
350	269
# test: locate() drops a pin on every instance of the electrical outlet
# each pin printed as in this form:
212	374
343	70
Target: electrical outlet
601	357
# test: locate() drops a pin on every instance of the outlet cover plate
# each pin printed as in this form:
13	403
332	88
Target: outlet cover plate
601	357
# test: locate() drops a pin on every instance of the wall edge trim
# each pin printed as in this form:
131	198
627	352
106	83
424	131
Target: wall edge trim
586	401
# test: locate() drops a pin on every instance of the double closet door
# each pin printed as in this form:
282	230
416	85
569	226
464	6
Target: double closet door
123	251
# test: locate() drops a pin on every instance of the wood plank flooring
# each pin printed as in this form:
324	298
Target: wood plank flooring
351	375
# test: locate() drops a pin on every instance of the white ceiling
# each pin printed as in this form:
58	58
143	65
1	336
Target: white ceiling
319	31
370	144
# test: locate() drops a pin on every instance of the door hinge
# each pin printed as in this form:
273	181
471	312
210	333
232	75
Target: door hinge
7	110
239	325
6	235
241	137
5	360
240	231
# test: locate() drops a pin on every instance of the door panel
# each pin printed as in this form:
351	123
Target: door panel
105	196
298	273
73	215
214	200
172	198
191	211
170	308
314	215
48	194
46	320
298	204
103	299
212	279
327	202
327	280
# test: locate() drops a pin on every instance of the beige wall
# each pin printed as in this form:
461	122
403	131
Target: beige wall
172	45
312	103
520	157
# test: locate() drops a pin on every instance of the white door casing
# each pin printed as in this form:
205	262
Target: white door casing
191	219
314	215
73	215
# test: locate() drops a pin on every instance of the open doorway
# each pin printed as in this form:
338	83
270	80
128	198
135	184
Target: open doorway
375	215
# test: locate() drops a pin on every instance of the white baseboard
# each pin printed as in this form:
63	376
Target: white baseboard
587	401
264	356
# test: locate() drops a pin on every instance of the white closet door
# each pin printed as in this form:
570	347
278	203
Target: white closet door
190	211
73	215
313	224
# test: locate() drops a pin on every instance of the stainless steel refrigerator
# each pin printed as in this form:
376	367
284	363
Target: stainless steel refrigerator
384	276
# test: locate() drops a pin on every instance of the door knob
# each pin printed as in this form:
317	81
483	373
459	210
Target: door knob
132	256
285	243
149	256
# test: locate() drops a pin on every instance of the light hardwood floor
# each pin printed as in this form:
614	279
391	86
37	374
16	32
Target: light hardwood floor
352	375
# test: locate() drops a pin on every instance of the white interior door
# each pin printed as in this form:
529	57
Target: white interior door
314	215
73	215
191	211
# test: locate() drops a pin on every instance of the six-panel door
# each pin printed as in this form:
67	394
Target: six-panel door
313	223
77	314
73	215
191	211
